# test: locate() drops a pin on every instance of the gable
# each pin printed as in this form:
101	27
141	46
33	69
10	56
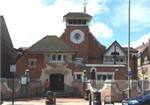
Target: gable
115	46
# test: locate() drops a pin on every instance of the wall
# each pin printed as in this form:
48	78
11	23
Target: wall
118	89
34	89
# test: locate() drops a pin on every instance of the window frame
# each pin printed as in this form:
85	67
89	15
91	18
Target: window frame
32	62
107	74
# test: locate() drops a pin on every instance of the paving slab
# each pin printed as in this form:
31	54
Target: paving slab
59	101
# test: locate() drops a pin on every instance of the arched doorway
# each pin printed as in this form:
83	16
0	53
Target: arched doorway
56	82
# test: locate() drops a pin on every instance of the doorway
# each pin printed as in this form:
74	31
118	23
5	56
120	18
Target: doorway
56	82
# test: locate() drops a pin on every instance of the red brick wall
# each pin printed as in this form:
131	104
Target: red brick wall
22	65
89	49
82	48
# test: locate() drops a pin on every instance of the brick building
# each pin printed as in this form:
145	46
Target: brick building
7	52
144	60
75	56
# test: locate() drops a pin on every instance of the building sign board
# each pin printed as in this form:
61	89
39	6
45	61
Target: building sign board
12	68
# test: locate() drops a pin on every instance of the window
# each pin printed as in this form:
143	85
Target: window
53	57
105	76
99	77
56	58
32	63
59	57
109	77
79	77
77	21
77	36
65	57
121	59
108	59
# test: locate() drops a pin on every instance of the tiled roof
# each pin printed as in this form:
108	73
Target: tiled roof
142	47
131	49
77	14
51	44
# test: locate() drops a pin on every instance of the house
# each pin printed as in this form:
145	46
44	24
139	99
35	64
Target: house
7	52
116	54
144	60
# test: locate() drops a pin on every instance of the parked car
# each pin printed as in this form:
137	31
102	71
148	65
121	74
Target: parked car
140	100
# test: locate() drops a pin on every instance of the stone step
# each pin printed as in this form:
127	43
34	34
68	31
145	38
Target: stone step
61	94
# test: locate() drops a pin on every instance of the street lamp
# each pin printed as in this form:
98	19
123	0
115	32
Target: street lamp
86	92
27	79
27	74
84	79
143	74
13	70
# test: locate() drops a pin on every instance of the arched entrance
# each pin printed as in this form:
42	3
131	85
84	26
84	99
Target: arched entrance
56	82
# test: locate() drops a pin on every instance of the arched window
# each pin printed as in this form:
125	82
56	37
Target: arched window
93	73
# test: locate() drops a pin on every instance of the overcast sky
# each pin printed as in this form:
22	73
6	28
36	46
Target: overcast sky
30	20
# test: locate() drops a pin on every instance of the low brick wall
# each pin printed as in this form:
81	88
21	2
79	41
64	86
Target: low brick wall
118	89
77	87
34	88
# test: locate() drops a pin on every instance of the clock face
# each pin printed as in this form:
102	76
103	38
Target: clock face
77	36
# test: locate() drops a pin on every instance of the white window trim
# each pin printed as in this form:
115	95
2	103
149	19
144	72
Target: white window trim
78	73
55	61
105	73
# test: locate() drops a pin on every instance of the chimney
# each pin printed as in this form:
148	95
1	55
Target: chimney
143	43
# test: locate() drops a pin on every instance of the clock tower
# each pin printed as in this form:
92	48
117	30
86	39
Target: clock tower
78	36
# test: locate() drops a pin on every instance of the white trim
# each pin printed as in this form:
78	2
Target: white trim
103	65
67	24
77	73
93	68
73	33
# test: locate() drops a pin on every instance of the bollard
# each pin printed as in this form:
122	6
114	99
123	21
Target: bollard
97	98
90	99
86	95
50	98
1	99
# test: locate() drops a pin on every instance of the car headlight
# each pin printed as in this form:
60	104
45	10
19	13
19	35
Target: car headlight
133	102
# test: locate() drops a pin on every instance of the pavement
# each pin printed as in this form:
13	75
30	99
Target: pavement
59	101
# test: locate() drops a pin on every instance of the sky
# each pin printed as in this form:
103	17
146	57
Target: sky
28	21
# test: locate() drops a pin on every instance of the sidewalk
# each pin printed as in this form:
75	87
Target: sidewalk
59	101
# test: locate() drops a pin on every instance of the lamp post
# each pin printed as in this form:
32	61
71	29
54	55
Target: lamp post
85	91
13	70
84	79
128	62
27	79
143	74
